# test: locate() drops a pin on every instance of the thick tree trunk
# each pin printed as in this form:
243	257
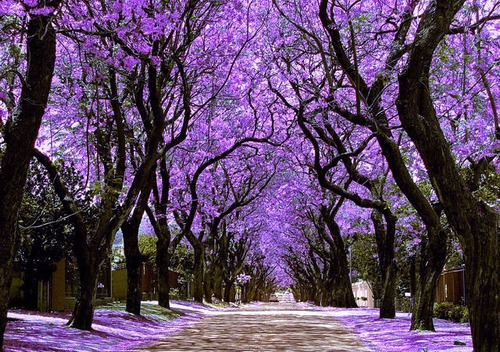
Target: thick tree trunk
133	259
19	137
325	296
218	281
133	256
5	282
422	314
199	258
432	259
341	290
83	313
251	292
232	293
390	280
163	263
317	296
482	282
207	285
385	236
245	289
229	292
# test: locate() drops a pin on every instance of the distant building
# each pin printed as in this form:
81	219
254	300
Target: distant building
363	294
148	281
59	291
451	286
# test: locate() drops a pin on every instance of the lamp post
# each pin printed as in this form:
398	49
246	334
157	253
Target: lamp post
350	263
349	242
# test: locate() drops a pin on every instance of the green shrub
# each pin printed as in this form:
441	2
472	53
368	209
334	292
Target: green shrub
442	310
452	312
456	313
465	315
174	293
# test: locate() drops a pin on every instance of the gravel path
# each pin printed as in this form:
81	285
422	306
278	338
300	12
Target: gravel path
264	327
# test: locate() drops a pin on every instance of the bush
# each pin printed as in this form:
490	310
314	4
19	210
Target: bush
465	315
174	293
442	310
452	312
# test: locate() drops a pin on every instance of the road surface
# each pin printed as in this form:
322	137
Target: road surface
264	327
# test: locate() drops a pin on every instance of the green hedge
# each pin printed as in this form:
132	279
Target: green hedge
453	312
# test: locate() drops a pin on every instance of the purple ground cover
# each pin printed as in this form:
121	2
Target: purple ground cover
113	330
393	335
116	330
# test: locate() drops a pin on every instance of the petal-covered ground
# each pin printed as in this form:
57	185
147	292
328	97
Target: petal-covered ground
116	330
393	335
113	328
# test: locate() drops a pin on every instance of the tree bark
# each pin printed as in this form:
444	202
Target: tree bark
228	291
385	236
83	313
341	290
218	281
163	263
199	266
432	259
207	284
482	282
133	258
389	285
19	135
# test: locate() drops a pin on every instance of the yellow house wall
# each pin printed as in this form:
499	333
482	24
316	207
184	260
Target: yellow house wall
119	284
59	286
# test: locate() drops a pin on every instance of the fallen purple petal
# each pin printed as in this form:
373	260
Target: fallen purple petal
117	330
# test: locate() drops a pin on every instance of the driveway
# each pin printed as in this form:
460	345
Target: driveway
264	327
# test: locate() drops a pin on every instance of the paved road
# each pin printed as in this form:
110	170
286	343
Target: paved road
264	327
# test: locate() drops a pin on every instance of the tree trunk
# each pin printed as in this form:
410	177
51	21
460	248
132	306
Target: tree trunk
390	280
218	281
341	290
133	256
199	258
83	313
232	293
245	293
385	236
163	263
422	314
19	135
207	285
432	259
482	282
228	291
5	282
133	259
91	246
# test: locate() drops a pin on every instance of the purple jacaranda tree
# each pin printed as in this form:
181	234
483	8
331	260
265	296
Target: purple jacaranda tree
239	186
25	95
361	66
136	82
345	92
216	72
